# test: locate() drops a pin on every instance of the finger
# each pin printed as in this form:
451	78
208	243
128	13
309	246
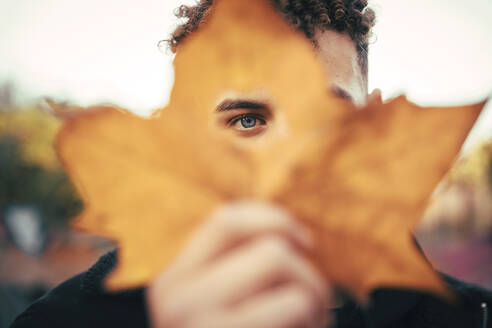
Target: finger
255	267
285	307
236	223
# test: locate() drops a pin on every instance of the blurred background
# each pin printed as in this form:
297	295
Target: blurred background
90	52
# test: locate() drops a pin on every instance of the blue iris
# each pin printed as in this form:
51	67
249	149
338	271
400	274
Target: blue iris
248	122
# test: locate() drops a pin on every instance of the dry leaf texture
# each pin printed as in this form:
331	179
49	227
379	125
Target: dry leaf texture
359	178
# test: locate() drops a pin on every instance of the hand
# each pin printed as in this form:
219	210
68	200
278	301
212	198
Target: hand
246	267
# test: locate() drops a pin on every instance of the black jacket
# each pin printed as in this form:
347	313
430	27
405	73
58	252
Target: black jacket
82	302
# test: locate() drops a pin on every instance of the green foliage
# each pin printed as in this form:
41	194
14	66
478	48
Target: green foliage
490	174
26	183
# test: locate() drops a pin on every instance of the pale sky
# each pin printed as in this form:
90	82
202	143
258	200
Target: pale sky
438	52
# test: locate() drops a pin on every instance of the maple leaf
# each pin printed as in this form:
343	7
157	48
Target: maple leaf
365	184
358	178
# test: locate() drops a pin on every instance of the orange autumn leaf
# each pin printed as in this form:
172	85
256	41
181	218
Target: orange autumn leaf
365	186
359	178
142	177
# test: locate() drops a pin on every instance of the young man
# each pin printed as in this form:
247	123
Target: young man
247	266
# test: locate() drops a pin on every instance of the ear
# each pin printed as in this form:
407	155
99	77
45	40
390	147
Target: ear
375	97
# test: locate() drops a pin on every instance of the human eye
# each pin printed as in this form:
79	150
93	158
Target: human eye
244	117
248	124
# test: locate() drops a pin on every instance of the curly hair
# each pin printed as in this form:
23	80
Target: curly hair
346	16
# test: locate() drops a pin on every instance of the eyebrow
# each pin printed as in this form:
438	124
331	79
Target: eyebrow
341	93
230	104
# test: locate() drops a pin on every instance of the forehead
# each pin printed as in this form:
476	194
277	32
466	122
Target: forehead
340	61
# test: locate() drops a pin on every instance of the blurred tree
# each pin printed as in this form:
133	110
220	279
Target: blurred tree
490	173
476	167
35	130
462	206
30	173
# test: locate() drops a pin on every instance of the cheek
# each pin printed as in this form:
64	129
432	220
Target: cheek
358	87
358	93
